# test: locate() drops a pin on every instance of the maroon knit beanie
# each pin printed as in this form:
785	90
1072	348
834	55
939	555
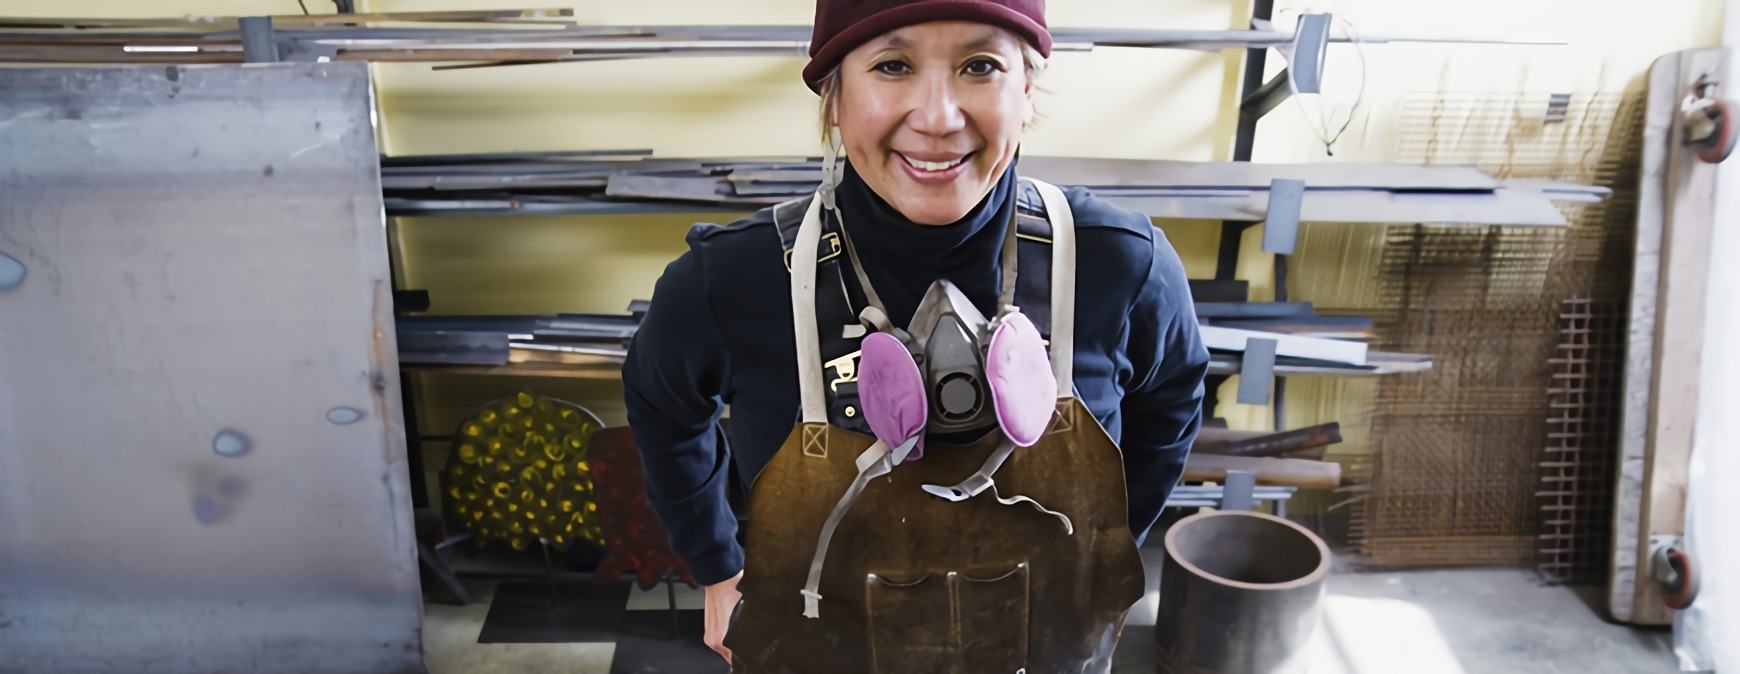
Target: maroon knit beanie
842	25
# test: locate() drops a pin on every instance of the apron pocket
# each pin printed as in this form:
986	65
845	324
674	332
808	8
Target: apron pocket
959	622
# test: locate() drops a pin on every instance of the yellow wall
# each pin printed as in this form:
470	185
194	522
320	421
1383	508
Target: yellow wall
1160	104
1110	103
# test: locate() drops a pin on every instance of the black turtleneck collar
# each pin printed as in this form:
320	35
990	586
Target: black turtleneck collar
903	257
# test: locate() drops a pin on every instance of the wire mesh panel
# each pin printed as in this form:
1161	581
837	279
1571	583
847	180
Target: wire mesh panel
1456	449
1576	467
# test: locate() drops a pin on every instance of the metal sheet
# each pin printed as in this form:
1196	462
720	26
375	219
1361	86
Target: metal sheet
1333	350
1188	174
208	281
1505	206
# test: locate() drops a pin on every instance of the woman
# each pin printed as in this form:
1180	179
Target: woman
861	314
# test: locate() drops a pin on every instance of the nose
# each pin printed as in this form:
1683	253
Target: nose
936	108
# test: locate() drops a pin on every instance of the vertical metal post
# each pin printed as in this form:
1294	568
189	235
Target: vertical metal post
257	43
413	440
1280	401
1255	59
549	570
671	598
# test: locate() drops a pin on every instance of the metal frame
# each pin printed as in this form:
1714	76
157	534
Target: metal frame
1240	492
1258	98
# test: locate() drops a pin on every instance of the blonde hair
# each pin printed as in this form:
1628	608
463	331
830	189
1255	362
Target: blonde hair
830	84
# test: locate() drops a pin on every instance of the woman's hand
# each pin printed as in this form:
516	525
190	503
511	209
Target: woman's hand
721	601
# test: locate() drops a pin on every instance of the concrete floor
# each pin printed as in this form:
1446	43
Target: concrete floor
1477	620
1468	621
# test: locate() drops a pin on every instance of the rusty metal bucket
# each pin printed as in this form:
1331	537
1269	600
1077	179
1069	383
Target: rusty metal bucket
1241	593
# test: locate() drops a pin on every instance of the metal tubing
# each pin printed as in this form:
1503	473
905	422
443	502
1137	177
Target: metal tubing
1241	592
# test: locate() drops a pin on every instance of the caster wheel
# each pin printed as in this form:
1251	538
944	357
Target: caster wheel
1683	588
1710	130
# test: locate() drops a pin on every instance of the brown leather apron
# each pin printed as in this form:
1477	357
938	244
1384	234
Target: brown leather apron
912	583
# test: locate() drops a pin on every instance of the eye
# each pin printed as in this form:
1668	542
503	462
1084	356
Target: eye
892	67
981	67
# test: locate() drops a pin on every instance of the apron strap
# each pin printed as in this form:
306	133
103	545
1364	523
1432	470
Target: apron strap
1009	267
1062	286
872	464
803	311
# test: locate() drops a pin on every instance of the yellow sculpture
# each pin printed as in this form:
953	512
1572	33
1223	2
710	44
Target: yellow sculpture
518	472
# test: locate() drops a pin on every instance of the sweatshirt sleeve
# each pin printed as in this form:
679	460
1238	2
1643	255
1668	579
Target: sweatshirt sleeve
1162	405
672	386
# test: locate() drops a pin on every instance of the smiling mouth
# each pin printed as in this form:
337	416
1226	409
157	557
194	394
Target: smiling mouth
934	166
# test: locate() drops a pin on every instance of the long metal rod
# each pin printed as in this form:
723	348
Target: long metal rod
211	39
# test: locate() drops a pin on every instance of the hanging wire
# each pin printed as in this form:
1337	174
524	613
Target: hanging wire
304	7
1320	126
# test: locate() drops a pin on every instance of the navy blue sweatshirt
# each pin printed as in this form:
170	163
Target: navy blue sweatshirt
719	332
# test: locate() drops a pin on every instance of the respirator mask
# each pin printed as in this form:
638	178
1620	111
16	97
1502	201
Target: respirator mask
952	371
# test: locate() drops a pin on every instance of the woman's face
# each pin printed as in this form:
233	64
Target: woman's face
932	114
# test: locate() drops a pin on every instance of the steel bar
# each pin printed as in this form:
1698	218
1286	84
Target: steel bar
410	160
549	36
1227	364
1273	444
206	22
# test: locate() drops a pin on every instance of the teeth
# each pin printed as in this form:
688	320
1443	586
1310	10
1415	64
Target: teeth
933	165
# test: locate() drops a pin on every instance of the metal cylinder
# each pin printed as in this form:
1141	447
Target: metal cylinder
1240	593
